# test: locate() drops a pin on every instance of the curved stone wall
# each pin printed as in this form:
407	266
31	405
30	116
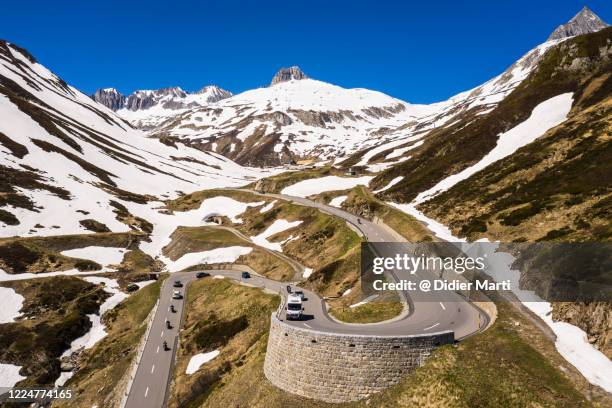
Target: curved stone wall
342	367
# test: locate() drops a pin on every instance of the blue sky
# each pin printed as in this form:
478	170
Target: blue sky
417	51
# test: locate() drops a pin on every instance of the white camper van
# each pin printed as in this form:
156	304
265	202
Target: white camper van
294	307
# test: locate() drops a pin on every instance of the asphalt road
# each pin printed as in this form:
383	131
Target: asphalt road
423	315
427	312
153	374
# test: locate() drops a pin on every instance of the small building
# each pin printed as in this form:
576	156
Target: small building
351	171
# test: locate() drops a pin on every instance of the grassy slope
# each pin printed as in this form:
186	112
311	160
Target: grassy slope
43	254
196	239
220	315
103	367
55	313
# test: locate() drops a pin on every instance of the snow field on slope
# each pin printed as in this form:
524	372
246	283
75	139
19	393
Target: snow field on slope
166	177
97	331
9	375
202	358
218	255
11	303
225	206
390	184
337	201
309	187
267	207
105	256
277	226
544	116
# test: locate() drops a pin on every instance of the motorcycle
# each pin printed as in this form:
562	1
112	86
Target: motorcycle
172	309
168	325
166	348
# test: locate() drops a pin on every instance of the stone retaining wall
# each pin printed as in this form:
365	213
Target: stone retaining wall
342	367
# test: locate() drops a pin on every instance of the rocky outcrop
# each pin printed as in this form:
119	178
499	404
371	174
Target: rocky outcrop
110	98
594	318
582	23
173	98
288	74
213	93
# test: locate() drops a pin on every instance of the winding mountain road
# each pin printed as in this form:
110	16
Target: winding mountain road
422	316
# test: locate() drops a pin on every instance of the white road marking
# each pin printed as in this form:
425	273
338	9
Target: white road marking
146	392
442	306
162	334
152	368
431	327
157	349
307	325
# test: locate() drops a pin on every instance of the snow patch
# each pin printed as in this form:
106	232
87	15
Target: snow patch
196	361
105	256
11	303
97	331
217	255
391	184
364	301
545	116
9	375
267	207
337	201
276	227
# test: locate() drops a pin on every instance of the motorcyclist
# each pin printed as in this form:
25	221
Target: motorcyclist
172	309
165	345
168	325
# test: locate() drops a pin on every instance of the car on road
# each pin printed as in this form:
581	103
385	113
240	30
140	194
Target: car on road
245	275
177	284
300	293
294	308
177	294
202	274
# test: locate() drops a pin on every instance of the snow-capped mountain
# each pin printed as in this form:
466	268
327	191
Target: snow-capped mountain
145	109
65	157
301	118
288	74
295	118
582	23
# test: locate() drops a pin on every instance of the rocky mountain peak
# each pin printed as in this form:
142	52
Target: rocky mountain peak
288	74
110	98
213	93
582	23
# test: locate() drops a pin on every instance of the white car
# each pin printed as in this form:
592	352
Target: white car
177	294
294	307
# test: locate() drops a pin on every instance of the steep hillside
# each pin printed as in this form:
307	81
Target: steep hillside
146	109
577	66
68	164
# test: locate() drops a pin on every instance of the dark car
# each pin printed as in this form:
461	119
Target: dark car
300	293
202	274
246	275
177	284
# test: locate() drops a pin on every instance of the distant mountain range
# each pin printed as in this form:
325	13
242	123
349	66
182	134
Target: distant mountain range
299	118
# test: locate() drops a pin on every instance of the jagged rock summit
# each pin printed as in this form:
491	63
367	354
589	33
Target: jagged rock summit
171	98
582	23
288	74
